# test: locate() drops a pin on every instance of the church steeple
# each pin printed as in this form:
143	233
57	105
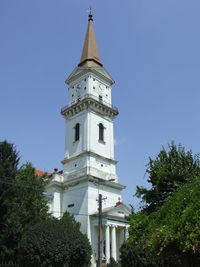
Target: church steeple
90	55
89	165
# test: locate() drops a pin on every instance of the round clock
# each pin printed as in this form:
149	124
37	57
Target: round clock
101	87
78	87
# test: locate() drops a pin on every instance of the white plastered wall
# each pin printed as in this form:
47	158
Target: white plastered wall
106	148
89	141
77	196
55	202
89	84
110	194
72	147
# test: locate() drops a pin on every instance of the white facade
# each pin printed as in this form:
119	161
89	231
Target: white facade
79	197
89	84
89	167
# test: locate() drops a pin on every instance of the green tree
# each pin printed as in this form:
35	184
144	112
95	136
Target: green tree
135	256
175	227
55	243
166	173
9	160
172	232
165	232
22	200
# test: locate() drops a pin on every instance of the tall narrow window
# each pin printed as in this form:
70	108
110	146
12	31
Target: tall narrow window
101	132
77	132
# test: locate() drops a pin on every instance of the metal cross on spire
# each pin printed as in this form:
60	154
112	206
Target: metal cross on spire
90	17
90	55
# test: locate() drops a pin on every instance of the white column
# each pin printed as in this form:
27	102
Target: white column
56	205
126	233
114	252
121	237
107	243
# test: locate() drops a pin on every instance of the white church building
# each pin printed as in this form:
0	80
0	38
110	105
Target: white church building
89	166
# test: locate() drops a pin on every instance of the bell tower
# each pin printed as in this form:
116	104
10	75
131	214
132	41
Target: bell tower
89	116
89	166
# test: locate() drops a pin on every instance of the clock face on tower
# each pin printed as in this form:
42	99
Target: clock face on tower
78	87
101	87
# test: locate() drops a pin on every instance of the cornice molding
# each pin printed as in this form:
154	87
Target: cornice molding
80	71
92	104
88	153
91	179
84	179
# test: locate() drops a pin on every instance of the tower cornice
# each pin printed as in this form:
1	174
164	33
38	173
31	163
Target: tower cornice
84	179
88	153
81	71
89	102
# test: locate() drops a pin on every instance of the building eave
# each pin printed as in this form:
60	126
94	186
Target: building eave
84	179
89	102
88	153
81	71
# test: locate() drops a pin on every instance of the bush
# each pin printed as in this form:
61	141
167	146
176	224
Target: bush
134	257
113	263
55	243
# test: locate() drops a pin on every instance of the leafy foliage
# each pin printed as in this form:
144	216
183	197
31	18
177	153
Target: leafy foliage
26	207
172	232
22	201
176	226
133	256
26	228
166	231
9	161
167	172
55	243
113	263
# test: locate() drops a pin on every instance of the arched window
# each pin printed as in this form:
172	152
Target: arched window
101	132
77	132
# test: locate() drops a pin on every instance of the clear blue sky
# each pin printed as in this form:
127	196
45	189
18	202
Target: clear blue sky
151	49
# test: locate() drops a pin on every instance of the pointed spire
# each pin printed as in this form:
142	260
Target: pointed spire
90	55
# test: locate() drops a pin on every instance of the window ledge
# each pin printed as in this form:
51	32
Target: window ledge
102	142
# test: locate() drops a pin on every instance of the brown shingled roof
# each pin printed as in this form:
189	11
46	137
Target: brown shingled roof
90	55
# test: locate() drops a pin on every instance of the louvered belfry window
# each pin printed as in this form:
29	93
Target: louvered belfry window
101	132
77	132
